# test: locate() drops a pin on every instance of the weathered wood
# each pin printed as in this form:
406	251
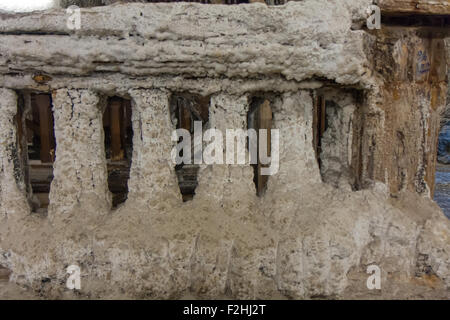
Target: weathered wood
322	118
422	7
41	176
19	122
4	274
118	176
127	106
33	127
116	113
264	122
185	117
106	118
187	180
43	103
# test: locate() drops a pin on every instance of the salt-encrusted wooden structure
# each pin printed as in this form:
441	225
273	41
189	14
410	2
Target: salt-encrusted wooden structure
358	114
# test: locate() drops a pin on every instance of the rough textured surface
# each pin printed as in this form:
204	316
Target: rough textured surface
80	177
438	7
250	41
414	94
312	234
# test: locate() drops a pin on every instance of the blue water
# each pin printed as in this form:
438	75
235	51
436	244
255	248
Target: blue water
442	191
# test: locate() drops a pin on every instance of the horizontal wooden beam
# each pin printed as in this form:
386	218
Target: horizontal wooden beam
420	7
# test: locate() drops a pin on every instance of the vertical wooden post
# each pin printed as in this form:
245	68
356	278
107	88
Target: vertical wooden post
184	115
128	120
116	113
47	137
322	118
264	122
123	122
19	119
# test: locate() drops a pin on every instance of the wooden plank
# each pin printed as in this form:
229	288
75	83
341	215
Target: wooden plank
117	152
122	127
19	123
203	105
264	122
128	111
420	7
322	118
126	124
4	274
185	117
106	117
43	103
33	127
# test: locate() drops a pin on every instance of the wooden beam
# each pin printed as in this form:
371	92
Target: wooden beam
116	113
44	105
128	114
322	118
416	7
19	123
264	122
185	117
33	127
107	117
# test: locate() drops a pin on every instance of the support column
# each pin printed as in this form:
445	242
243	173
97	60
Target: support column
233	183
293	116
298	168
153	182
80	175
13	201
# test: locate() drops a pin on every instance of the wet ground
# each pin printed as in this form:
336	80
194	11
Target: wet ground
442	193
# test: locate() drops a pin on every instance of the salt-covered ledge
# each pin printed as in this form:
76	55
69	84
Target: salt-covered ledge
299	41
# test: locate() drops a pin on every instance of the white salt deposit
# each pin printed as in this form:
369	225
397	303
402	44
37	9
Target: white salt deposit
27	5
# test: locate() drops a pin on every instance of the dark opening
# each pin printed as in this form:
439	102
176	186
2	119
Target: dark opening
319	125
39	138
416	20
260	117
118	129
185	109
